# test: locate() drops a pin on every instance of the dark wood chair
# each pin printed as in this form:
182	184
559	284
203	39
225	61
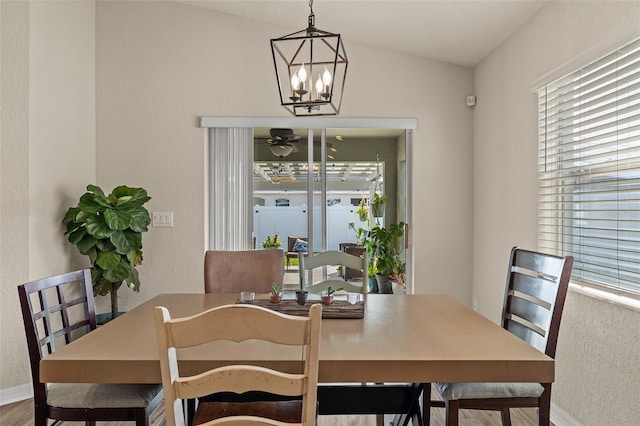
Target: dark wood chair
237	323
535	292
56	311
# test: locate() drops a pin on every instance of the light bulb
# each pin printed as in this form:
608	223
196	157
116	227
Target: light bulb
326	77
318	86
294	82
302	74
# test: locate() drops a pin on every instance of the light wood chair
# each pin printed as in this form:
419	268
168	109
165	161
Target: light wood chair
536	289
55	312
333	258
248	270
238	323
362	399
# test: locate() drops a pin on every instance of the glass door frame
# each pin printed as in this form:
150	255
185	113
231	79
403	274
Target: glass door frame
322	123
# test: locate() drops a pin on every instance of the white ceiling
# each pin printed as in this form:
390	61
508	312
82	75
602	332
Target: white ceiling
461	32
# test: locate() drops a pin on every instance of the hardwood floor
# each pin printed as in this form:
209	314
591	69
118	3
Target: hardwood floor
21	414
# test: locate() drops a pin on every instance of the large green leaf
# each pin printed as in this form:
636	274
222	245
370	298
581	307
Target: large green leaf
93	255
97	227
72	226
120	241
105	245
134	238
108	260
88	203
123	200
117	219
135	257
119	273
86	244
140	219
70	216
101	287
138	195
134	281
77	235
96	190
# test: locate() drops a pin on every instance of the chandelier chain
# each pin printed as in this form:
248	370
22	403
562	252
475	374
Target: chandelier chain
312	16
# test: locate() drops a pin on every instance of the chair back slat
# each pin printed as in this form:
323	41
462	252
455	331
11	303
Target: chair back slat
244	380
539	287
333	258
528	334
238	323
214	325
536	289
539	262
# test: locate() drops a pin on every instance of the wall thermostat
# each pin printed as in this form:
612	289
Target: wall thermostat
471	101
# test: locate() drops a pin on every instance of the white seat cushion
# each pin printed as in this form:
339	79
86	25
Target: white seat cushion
455	391
89	395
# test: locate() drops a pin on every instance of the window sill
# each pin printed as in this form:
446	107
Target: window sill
625	300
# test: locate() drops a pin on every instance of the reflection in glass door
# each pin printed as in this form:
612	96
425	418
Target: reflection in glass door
343	174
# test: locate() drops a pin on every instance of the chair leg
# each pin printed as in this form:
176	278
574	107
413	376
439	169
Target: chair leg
426	404
506	417
452	412
142	417
544	406
40	416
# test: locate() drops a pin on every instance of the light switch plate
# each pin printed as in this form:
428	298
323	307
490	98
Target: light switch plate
162	219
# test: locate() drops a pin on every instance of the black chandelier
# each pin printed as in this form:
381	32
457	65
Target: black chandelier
311	67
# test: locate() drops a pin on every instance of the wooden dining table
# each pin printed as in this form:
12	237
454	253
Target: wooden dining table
414	338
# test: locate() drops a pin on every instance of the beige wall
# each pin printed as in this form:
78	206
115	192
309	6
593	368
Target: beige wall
48	151
156	67
162	65
597	370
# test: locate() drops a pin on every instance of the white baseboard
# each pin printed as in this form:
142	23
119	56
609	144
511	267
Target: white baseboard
559	417
15	394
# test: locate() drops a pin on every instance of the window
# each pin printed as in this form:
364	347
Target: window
589	169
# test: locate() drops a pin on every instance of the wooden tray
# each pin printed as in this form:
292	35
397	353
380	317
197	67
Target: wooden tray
338	309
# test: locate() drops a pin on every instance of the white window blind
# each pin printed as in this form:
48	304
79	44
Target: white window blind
589	169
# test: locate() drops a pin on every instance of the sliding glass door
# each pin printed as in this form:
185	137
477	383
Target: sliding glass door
318	183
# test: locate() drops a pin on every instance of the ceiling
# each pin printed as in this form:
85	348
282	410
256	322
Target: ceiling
461	32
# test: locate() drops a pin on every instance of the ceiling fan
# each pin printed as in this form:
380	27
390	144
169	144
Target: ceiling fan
284	141
280	142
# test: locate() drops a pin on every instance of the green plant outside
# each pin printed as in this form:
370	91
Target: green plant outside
272	242
382	246
109	230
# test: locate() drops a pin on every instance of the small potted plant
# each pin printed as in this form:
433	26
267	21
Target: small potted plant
363	210
275	294
377	206
327	296
272	242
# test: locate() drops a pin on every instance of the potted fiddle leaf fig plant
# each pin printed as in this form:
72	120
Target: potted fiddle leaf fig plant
108	229
384	248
